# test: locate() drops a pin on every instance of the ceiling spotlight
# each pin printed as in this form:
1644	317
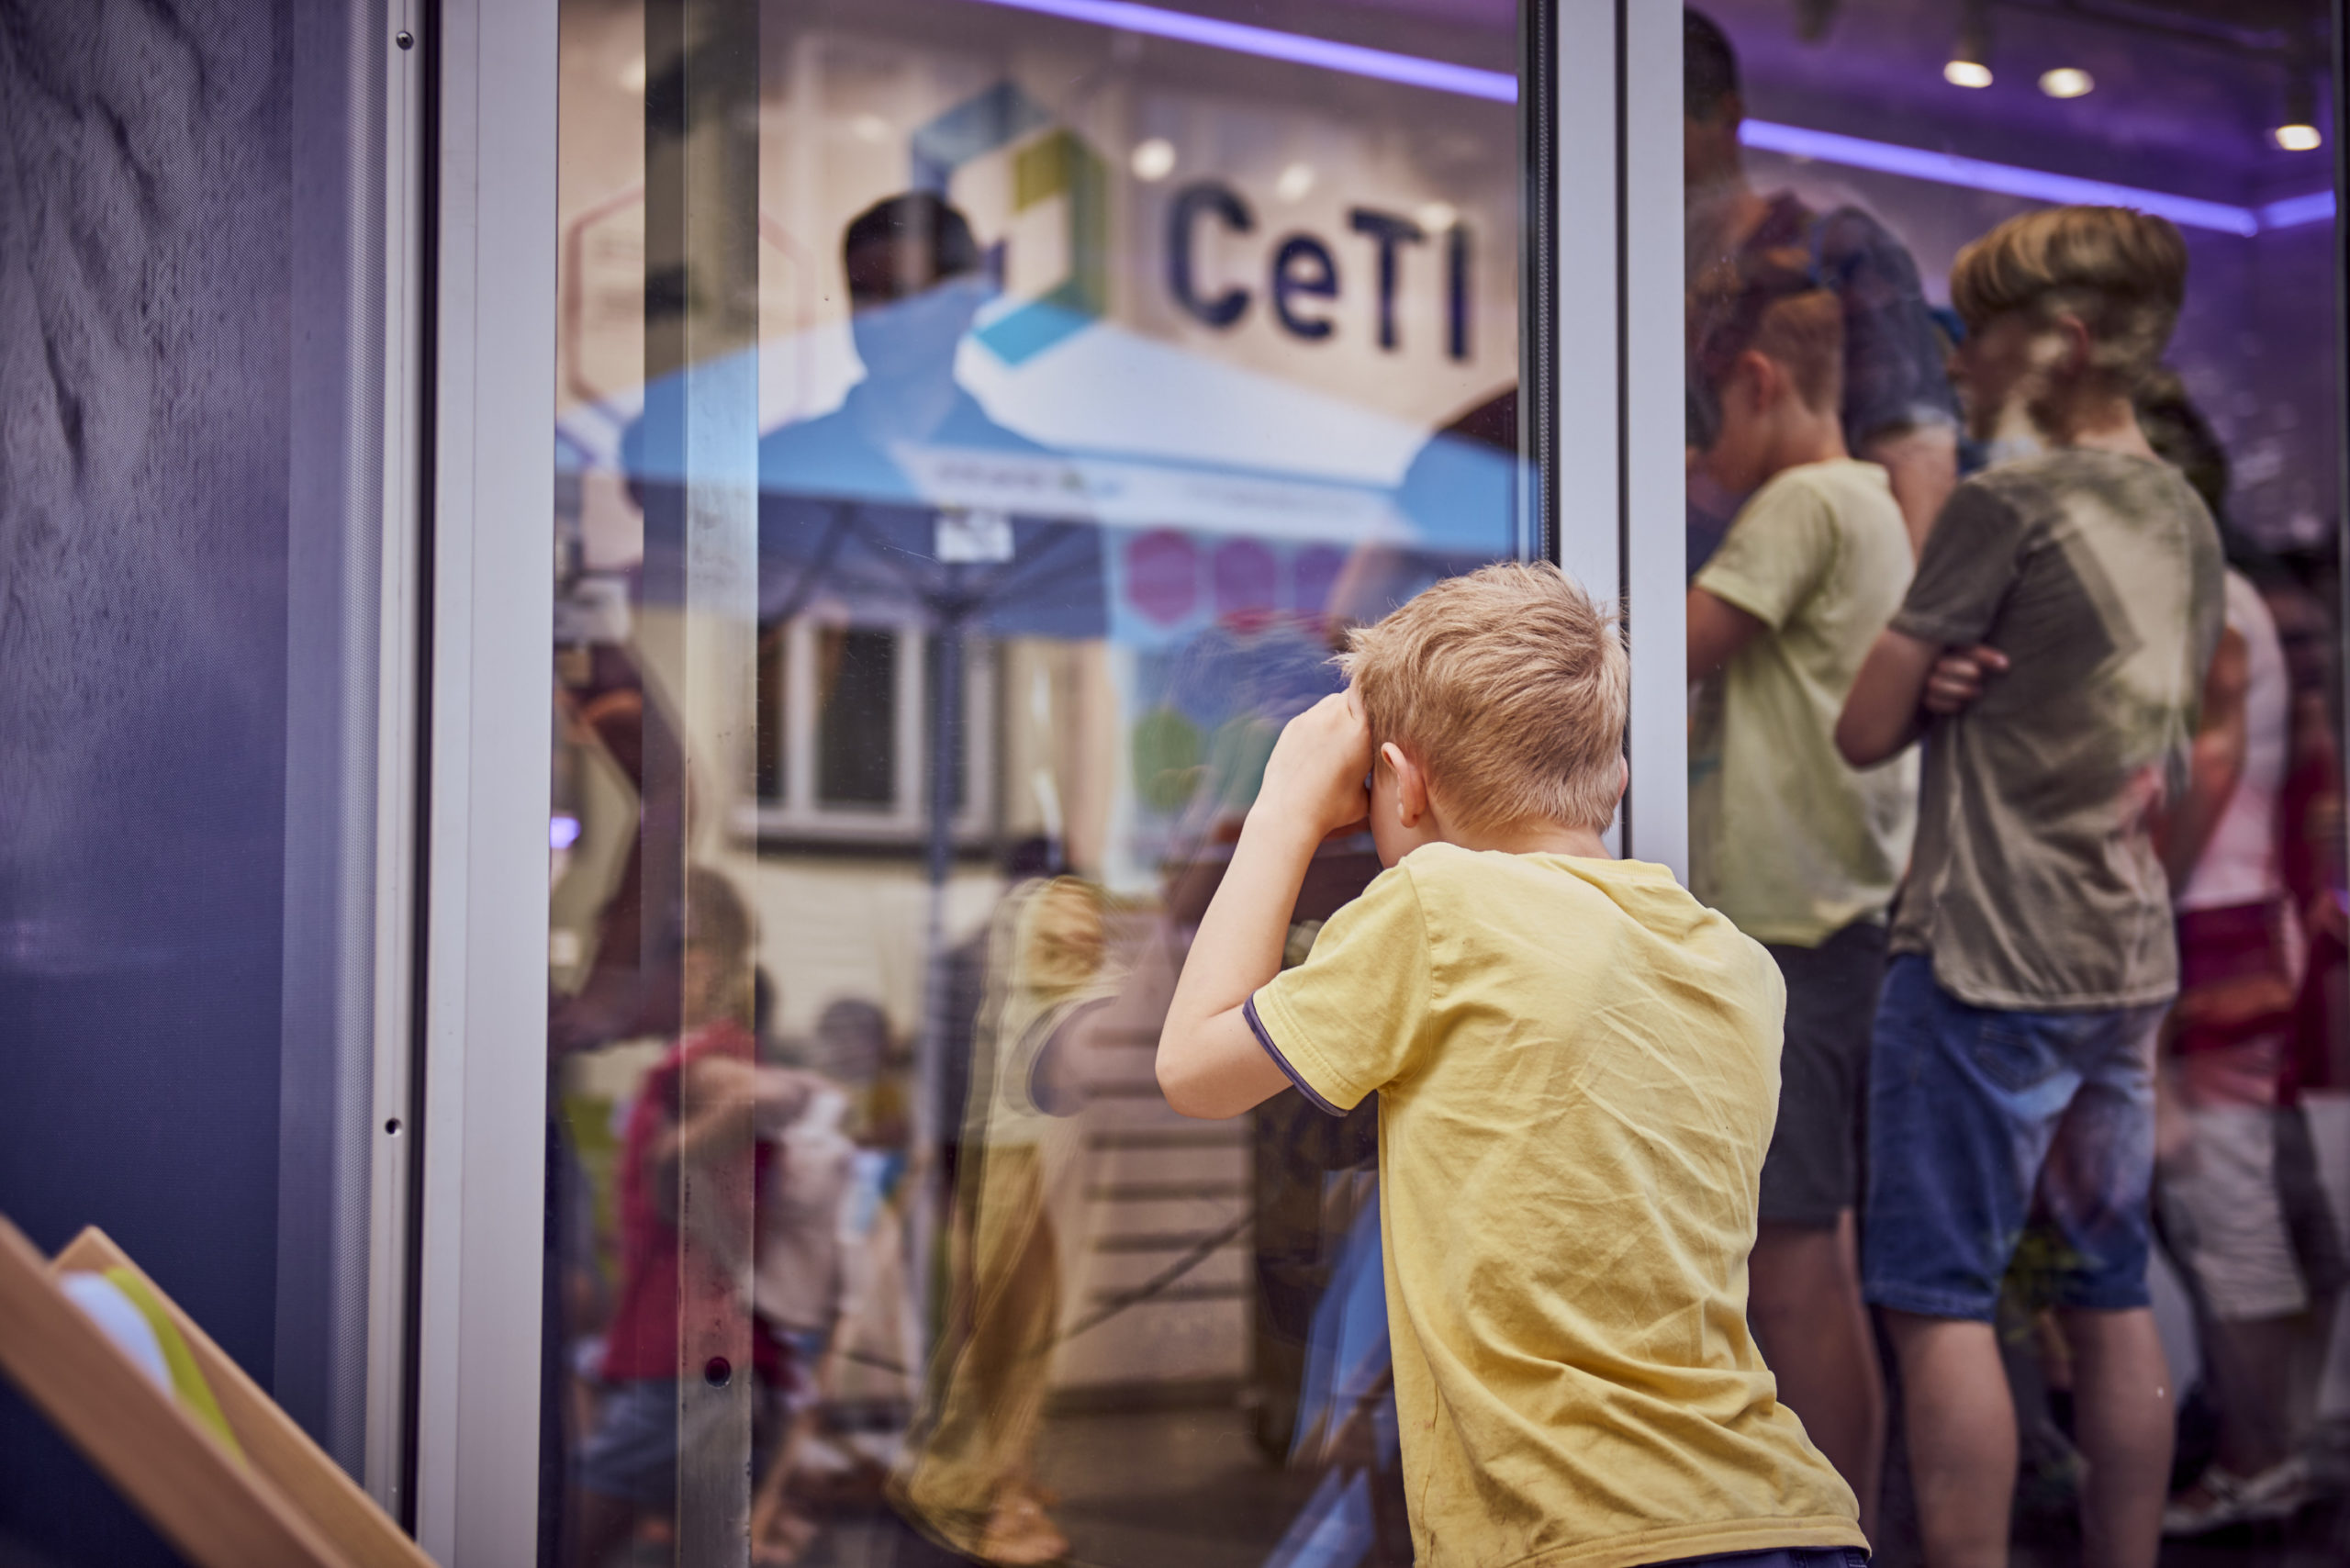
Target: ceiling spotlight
2067	82
2296	130
1970	57
1153	160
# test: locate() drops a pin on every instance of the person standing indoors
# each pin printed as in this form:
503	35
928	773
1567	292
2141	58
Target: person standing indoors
1896	406
2256	1244
1798	848
2052	652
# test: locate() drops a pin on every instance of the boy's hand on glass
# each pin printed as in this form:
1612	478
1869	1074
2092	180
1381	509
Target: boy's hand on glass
1957	677
1318	774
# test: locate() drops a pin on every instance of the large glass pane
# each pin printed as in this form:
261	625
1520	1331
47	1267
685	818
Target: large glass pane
2014	457
1094	380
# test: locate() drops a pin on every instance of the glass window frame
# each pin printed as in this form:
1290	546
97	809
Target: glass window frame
1600	352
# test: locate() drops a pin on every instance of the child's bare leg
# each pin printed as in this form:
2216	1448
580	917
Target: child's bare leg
2122	1419
1960	1422
1804	1301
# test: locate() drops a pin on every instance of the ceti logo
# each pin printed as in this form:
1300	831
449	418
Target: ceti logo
1054	176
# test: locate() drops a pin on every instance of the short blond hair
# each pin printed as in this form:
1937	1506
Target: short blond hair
2122	271
1508	688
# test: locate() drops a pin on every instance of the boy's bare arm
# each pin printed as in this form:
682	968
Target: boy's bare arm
1900	678
1717	630
1209	1061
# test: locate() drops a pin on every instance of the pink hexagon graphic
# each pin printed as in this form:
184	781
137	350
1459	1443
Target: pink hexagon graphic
1163	577
1312	576
1246	577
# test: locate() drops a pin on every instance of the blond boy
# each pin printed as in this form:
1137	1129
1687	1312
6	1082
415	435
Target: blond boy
1577	1066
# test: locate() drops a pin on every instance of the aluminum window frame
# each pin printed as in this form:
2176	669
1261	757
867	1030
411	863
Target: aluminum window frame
1608	507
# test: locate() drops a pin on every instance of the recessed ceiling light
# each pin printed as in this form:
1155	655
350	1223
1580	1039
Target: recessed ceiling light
1967	73
2298	138
1152	159
2067	82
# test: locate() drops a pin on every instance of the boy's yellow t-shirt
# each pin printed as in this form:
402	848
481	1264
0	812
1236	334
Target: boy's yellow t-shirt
1578	1069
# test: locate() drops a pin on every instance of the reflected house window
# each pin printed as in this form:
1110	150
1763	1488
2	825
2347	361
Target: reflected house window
857	751
843	749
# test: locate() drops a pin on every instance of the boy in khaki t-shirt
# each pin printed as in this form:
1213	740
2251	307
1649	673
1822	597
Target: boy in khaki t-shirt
1577	1066
1800	849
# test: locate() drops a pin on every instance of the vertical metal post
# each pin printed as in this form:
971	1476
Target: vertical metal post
1654	550
489	601
701	380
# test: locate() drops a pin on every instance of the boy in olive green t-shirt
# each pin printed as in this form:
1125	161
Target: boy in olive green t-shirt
1799	848
1577	1066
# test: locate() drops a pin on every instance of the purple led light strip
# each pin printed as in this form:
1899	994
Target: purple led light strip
1352	60
1826	147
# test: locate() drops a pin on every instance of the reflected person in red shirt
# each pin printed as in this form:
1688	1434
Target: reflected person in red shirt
685	1287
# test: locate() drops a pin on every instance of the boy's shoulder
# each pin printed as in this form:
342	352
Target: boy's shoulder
1460	890
2067	487
1841	484
1839	496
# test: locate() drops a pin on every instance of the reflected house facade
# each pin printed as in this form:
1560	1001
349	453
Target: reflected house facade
1076	513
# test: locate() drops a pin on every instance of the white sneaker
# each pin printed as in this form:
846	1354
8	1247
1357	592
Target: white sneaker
2220	1499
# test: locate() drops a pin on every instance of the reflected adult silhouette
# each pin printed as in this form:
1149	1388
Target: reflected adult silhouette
892	502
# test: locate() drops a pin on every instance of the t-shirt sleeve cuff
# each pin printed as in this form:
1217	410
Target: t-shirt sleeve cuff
1940	629
1314	1096
1739	593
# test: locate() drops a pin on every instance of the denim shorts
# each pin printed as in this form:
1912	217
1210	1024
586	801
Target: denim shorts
1983	1120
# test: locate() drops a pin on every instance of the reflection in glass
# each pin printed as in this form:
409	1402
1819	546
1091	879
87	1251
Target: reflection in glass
856	729
1100	382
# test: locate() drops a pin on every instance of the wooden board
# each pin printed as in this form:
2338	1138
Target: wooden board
219	1512
277	1447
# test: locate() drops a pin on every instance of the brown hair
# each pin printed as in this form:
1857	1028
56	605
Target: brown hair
2122	273
1804	335
1772	303
1508	687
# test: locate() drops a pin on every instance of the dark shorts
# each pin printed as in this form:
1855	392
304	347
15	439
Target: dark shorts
1813	1171
1976	1113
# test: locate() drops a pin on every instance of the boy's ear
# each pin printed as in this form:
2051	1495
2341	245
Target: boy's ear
1622	780
2077	355
1411	784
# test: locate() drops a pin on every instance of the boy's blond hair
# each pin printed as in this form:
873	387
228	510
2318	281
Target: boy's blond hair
1508	688
2122	273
